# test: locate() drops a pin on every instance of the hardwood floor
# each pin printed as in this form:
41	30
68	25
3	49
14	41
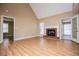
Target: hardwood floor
41	47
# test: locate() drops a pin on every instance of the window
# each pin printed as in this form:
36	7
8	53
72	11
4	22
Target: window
5	27
41	28
67	29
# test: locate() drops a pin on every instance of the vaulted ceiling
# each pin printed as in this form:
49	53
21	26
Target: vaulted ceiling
43	10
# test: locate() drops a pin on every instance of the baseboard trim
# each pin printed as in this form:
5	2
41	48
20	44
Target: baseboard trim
26	37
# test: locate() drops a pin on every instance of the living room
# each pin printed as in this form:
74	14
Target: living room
39	29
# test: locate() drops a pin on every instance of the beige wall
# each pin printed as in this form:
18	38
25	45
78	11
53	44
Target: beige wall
26	23
54	21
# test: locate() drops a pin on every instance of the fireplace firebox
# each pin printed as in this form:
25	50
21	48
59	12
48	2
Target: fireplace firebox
51	32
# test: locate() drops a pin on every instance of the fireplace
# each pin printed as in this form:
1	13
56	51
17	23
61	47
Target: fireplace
51	32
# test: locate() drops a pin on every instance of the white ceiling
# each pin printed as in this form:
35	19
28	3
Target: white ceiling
49	9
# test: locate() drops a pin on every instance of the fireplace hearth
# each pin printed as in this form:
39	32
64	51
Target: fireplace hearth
51	32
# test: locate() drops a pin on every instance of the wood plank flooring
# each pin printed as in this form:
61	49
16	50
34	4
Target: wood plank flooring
41	47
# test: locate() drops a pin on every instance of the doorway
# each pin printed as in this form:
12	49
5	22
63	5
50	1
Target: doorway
7	29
